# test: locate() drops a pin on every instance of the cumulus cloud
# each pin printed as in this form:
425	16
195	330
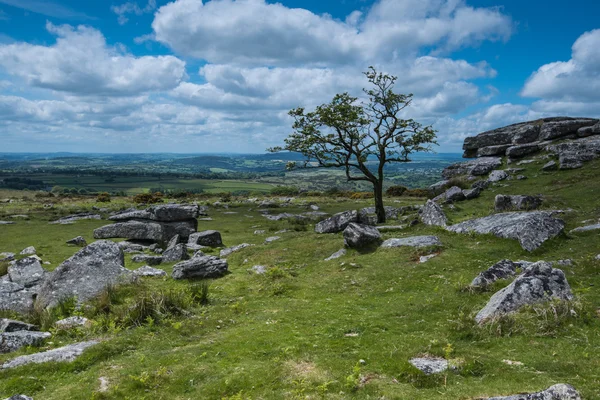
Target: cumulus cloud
132	8
256	32
573	81
81	62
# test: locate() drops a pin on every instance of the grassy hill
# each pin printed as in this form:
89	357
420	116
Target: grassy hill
341	329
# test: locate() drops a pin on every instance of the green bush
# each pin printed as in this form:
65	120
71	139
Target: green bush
285	191
103	197
417	193
148	198
396	190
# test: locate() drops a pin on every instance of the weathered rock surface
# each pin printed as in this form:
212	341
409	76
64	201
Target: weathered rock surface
550	166
497	176
175	253
518	202
558	129
413	241
573	153
29	251
476	167
27	272
11	325
433	215
19	397
78	241
200	267
147	270
162	213
15	297
471	194
586	228
540	282
150	260
13	341
272	239
430	365
85	274
501	270
206	238
560	391
76	217
337	223
531	229
438	187
358	236
62	354
454	194
72	322
229	250
7	257
337	254
368	215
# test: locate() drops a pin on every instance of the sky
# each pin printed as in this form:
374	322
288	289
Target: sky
194	76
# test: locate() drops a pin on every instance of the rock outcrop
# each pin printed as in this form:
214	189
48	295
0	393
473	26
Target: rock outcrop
14	297
540	282
230	250
413	241
200	267
156	223
433	215
62	354
337	223
85	274
358	236
501	270
531	229
430	365
560	391
13	341
206	238
27	272
176	253
477	167
516	203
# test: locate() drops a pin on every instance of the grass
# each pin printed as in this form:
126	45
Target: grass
300	330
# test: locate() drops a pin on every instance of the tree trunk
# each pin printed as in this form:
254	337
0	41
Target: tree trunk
379	209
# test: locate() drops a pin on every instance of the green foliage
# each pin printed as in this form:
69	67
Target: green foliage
148	198
4	268
103	197
285	191
396	191
417	193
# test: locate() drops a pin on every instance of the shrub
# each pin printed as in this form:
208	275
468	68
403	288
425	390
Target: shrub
148	198
461	182
285	191
396	190
225	197
417	193
3	268
361	195
103	197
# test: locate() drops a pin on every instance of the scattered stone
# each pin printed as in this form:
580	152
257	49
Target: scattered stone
147	270
521	177
72	322
413	241
27	272
260	232
573	153
7	222
76	217
129	247
358	236
454	194
207	238
430	365
476	167
175	253
29	251
337	254
388	228
433	215
586	228
85	274
497	176
337	223
258	269
13	341
19	397
556	392
200	267
519	202
368	215
540	282
15	297
272	239
501	270
11	325
471	194
150	260
229	250
424	259
438	187
7	257
314	207
62	354
550	166
78	241
531	229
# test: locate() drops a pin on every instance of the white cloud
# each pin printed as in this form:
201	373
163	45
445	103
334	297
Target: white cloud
81	62
46	7
255	32
569	82
132	8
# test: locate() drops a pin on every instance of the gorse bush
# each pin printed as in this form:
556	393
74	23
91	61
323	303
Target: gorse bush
417	193
285	191
396	190
148	198
103	197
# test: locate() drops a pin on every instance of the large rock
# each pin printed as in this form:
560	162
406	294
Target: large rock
162	213
150	260
14	297
413	241
13	341
175	253
476	167
497	176
85	274
27	271
430	365
531	229
498	150
454	194
368	215
556	392
358	236
62	354
558	129
11	325
540	282
523	150
501	270
433	215
337	222
206	238
200	267
147	230
517	202
573	153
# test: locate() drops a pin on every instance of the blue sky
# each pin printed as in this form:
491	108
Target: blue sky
220	76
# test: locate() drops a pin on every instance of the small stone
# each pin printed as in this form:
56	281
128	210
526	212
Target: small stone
497	176
258	269
28	251
72	322
147	270
271	239
413	241
337	254
78	241
550	166
150	260
424	259
430	365
7	257
226	252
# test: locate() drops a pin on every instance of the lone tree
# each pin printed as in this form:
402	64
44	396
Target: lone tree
350	134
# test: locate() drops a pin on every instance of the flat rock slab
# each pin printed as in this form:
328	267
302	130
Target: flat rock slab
540	282
413	241
11	325
7	256
13	341
27	271
210	238
586	228
560	391
15	297
359	235
430	366
501	270
62	354
76	217
337	254
147	270
162	213
226	252
531	229
200	267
